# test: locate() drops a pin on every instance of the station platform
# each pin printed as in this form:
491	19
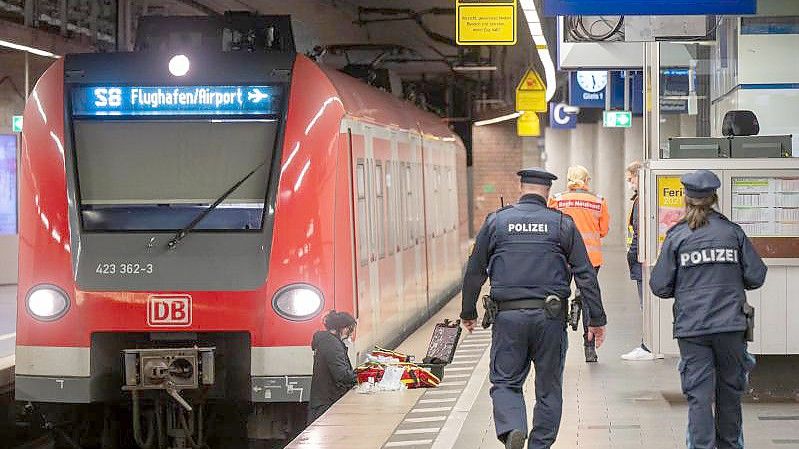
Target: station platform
8	326
612	404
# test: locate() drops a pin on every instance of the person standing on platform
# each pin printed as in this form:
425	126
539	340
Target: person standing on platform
706	264
641	352
530	253
590	214
332	375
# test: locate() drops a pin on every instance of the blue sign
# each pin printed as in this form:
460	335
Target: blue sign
587	89
175	100
559	118
648	7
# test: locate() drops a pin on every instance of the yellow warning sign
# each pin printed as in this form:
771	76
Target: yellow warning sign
527	125
531	93
485	22
531	81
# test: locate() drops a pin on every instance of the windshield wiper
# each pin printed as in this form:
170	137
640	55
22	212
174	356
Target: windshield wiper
190	227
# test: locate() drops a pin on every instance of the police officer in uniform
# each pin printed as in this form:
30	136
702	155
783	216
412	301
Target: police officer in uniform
706	263
530	252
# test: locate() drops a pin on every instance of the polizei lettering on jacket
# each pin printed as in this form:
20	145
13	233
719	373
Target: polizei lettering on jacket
528	228
709	255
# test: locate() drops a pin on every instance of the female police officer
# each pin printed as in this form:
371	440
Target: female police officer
706	263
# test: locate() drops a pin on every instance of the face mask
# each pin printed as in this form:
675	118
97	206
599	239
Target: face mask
631	186
348	342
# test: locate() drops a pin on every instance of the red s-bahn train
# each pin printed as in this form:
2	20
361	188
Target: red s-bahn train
191	210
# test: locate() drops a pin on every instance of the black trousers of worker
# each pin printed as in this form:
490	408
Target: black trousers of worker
519	337
713	371
587	319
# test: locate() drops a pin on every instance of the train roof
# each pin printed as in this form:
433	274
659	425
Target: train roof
363	101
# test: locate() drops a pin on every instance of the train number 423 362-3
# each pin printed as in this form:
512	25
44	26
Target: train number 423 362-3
124	268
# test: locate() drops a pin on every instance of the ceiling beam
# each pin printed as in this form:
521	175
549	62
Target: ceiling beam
32	37
207	10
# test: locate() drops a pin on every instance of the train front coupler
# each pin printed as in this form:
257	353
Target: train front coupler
170	422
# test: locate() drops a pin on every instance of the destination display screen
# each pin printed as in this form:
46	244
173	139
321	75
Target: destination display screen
93	101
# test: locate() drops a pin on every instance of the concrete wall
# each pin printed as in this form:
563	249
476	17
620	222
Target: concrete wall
605	153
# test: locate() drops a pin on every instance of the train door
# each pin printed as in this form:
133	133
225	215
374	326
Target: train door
399	139
389	315
365	237
415	181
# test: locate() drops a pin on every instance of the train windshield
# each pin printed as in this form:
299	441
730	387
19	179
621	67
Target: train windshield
158	172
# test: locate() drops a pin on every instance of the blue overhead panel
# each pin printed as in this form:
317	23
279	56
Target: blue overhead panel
648	7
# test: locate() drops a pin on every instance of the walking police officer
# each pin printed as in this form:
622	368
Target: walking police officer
530	253
706	263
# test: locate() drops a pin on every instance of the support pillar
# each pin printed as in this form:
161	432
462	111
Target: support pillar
583	142
608	180
556	149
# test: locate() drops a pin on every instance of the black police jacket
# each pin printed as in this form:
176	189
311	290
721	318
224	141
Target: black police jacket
530	252
707	271
333	375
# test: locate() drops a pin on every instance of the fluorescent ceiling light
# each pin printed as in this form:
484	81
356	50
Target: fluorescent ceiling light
534	23
35	51
475	68
499	119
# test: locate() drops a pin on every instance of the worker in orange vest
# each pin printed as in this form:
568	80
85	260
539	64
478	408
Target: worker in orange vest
590	214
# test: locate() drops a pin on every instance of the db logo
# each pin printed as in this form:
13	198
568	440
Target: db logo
169	310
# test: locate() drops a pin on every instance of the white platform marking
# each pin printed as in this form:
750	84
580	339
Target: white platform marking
407	443
414	431
431	409
425	419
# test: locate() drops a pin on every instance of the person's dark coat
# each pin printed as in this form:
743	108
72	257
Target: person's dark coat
333	375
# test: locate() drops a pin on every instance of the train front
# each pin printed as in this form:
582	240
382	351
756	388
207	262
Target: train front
150	183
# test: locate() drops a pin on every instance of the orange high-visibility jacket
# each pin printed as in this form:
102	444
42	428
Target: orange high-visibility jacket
590	214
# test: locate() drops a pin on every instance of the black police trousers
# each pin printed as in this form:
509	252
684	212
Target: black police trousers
714	372
518	337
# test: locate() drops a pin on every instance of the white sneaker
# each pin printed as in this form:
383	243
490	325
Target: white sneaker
638	354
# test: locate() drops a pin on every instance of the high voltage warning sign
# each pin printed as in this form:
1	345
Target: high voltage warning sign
485	22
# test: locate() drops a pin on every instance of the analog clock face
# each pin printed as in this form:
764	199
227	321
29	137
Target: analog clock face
592	80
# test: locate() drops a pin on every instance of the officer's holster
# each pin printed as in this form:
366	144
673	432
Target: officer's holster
491	310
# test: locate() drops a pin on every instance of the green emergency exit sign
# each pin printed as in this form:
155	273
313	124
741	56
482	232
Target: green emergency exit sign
16	124
617	119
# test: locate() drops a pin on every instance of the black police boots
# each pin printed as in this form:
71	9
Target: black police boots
515	439
590	355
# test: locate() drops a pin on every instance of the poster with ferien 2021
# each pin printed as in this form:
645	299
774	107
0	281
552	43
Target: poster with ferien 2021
671	204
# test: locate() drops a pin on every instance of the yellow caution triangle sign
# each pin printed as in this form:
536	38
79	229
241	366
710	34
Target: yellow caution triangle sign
532	81
531	93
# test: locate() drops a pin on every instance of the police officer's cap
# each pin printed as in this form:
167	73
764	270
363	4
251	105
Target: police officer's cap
700	184
536	175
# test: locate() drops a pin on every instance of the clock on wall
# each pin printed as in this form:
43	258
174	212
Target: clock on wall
592	80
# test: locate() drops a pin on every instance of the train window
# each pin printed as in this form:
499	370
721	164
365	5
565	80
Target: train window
360	182
410	206
157	175
403	192
371	205
390	215
380	211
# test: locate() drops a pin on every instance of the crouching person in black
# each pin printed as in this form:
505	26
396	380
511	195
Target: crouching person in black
333	375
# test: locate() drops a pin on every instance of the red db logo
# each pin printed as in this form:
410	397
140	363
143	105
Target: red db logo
169	310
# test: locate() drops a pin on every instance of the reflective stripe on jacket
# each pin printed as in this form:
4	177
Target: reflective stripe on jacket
590	214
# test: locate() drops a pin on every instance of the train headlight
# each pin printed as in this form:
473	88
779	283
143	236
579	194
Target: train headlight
47	302
179	65
298	302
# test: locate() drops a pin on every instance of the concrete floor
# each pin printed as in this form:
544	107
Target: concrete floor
619	404
613	404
